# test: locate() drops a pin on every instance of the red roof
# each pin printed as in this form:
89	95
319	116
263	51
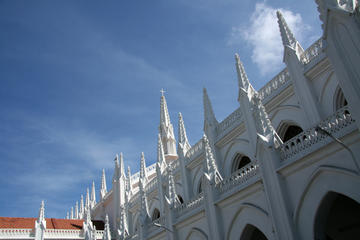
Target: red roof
51	223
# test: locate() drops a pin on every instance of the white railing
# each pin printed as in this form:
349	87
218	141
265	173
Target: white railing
313	51
234	117
278	81
333	124
190	205
195	149
11	233
238	177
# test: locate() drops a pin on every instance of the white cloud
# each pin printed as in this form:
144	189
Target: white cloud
263	35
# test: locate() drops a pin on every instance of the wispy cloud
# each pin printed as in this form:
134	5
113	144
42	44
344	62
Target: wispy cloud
263	35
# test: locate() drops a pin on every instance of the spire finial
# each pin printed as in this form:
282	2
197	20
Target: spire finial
287	36
143	175
41	212
183	140
162	92
103	189
243	80
87	199
81	206
76	210
93	195
209	115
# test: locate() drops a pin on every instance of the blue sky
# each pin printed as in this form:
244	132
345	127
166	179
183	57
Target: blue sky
80	82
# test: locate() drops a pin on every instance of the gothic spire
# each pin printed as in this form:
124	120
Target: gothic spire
143	174
93	195
81	206
87	200
287	36
40	223
161	162
209	116
183	142
164	112
243	80
107	233
41	217
210	167
103	189
72	213
76	210
166	130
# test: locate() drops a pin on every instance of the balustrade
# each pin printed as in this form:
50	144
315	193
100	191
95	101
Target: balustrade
238	177
333	124
275	83
313	51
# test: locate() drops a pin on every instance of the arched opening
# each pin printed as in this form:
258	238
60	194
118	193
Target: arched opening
181	200
340	100
337	218
200	187
252	233
155	215
239	162
288	130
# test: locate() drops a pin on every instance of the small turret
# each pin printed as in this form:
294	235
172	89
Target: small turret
183	143
143	173
87	200
40	223
166	131
93	195
76	210
103	189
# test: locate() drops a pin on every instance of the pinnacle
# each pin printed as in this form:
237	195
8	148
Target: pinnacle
183	140
243	80
287	36
142	167
209	115
164	112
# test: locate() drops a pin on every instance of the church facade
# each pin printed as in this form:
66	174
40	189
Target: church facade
284	165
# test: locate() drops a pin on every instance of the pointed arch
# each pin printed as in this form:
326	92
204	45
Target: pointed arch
252	233
196	233
239	161
249	214
339	99
288	129
324	179
155	214
238	146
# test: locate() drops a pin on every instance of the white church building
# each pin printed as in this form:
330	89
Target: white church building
284	165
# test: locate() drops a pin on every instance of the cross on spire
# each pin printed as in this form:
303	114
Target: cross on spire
162	92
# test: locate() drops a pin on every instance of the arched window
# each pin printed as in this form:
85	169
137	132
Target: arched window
252	233
338	217
288	131
239	162
156	214
181	200
340	100
200	187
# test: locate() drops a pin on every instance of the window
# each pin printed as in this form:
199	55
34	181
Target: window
239	162
181	200
340	100
289	130
156	214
